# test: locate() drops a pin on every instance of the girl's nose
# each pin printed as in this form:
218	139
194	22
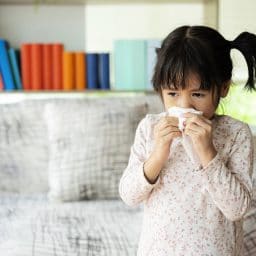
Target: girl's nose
184	102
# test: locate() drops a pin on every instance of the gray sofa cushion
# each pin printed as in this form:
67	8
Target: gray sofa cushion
23	148
24	145
31	226
89	146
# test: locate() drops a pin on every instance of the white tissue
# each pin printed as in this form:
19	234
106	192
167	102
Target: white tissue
177	112
186	140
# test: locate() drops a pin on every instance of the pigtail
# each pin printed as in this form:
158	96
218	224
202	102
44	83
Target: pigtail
246	44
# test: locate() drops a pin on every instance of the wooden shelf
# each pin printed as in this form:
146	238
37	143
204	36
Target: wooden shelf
40	2
82	2
76	92
16	96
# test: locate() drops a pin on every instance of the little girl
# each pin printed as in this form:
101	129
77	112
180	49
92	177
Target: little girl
192	209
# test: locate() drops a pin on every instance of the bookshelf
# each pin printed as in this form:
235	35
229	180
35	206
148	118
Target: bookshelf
207	2
86	33
14	97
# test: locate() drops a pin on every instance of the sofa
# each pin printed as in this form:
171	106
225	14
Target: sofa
61	160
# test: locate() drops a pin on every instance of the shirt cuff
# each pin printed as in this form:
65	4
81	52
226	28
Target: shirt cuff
211	167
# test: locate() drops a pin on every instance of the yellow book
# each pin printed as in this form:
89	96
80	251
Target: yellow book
80	74
68	71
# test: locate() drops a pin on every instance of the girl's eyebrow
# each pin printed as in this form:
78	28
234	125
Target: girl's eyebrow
195	90
191	90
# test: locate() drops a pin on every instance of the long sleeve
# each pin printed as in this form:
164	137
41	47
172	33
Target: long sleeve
133	186
230	183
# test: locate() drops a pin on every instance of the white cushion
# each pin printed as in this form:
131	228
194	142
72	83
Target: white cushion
89	145
23	148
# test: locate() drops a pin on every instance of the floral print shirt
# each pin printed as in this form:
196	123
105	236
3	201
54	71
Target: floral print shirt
190	211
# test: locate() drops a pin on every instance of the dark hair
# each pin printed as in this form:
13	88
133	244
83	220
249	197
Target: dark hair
205	52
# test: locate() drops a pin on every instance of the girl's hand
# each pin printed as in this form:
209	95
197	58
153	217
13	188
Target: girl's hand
199	129
164	133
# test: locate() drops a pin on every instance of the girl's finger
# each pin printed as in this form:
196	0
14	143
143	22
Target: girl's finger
167	120
199	121
168	130
194	127
191	132
172	135
191	115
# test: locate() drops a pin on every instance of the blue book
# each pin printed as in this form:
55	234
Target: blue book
6	67
103	69
152	44
130	64
92	70
13	56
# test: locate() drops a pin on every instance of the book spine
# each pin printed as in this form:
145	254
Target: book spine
92	70
48	67
80	68
15	68
26	66
130	64
68	71
6	67
104	82
37	67
57	66
1	82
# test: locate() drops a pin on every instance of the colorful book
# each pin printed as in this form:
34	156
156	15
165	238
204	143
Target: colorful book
92	70
68	71
103	71
152	45
130	64
25	59
80	71
36	66
14	60
47	67
1	82
58	49
5	66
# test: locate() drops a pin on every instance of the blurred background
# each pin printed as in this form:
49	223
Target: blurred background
93	26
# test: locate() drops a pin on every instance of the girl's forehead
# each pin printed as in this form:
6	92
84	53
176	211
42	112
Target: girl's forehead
192	82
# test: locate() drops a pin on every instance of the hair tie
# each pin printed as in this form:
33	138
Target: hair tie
232	44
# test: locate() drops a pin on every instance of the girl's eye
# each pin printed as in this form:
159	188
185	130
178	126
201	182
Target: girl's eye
198	95
172	94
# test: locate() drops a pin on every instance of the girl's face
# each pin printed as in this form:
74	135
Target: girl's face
191	97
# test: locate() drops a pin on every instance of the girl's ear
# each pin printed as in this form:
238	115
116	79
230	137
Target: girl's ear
225	89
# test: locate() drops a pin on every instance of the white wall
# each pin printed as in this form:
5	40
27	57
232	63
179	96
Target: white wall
94	25
28	23
106	22
236	16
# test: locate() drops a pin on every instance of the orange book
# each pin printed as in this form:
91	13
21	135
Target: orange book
57	54
1	83
37	66
80	68
68	71
47	67
25	59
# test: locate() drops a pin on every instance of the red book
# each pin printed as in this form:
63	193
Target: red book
48	67
1	83
26	66
57	66
37	66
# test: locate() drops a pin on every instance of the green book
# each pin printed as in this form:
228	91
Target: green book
130	61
